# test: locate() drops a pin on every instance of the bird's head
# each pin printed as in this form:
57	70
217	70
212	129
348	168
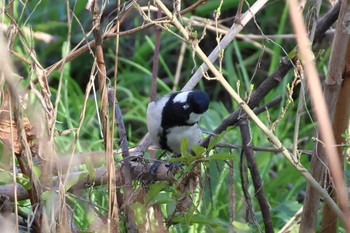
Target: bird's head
199	101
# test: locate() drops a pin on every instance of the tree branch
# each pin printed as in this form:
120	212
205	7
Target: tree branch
257	181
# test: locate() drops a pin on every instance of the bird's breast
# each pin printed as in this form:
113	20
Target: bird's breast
175	135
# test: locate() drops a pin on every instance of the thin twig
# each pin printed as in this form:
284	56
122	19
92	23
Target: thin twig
254	100
179	65
232	195
126	168
250	217
111	34
225	41
257	181
140	171
113	209
102	82
153	92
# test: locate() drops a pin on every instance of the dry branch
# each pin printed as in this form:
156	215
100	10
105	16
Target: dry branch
325	152
111	34
257	181
126	169
140	171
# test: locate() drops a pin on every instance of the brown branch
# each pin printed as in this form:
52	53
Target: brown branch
340	124
140	171
235	116
319	165
25	158
153	93
113	212
257	181
126	168
232	195
108	140
324	23
111	34
244	185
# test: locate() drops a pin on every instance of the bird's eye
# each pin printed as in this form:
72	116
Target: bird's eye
186	106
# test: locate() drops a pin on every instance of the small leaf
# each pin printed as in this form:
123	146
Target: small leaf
213	141
75	179
36	170
221	156
24	181
198	150
162	198
241	227
46	195
154	190
183	147
170	207
90	169
6	177
197	218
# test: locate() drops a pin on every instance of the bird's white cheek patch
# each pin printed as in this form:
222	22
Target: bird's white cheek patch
181	97
194	117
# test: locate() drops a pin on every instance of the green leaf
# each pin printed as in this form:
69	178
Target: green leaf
213	141
241	227
170	207
154	190
197	218
24	181
6	177
75	179
162	198
221	156
198	150
183	147
45	195
36	170
90	168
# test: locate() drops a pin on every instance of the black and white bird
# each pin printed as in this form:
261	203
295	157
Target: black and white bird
175	116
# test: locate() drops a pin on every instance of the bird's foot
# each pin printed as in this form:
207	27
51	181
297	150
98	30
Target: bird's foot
154	167
172	167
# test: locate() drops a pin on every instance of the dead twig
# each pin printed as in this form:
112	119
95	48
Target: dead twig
126	167
323	114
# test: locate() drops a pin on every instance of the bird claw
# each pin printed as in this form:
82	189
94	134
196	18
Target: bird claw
172	167
154	167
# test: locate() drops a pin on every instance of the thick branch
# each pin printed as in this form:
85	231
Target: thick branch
318	162
140	171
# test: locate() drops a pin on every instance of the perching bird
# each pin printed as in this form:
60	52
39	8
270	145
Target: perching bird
175	116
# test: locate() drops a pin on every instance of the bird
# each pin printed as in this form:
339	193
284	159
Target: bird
175	116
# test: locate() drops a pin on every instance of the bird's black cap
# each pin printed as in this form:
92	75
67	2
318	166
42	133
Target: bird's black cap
199	101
